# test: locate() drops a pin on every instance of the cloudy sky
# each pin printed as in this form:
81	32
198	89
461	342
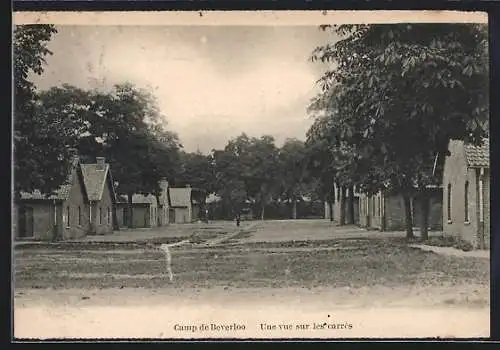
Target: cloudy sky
212	83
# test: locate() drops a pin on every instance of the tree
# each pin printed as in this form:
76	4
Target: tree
261	171
196	170
402	92
124	125
320	161
128	131
229	183
246	170
42	142
293	172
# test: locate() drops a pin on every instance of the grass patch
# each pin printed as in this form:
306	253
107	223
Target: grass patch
97	245
372	262
238	236
449	241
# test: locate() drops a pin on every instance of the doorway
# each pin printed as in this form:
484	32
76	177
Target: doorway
26	222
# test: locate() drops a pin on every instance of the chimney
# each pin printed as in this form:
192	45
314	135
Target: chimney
163	183
73	155
100	162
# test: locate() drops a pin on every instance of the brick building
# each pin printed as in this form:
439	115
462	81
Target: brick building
386	212
146	211
466	197
186	204
101	195
62	215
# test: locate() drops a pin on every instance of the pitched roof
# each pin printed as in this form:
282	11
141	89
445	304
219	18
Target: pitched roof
95	180
139	198
61	193
121	199
478	156
180	197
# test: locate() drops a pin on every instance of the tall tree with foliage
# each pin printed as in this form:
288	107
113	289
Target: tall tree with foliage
124	125
42	142
229	180
403	91
128	132
293	172
262	172
196	170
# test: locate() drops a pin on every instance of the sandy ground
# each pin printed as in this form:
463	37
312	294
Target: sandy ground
298	230
258	313
450	251
383	291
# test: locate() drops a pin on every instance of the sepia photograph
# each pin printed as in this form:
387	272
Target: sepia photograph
250	175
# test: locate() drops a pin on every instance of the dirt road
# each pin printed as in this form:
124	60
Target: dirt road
254	313
311	279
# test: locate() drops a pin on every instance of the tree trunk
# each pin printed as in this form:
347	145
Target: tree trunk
350	207
343	198
331	203
262	210
130	223
330	209
294	209
408	216
159	210
424	212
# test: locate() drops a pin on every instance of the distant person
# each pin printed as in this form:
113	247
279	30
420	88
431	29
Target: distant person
238	220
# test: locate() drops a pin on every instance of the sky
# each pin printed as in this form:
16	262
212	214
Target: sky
212	82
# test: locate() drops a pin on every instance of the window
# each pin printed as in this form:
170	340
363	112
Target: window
125	216
66	217
466	201
449	203
109	215
100	216
79	215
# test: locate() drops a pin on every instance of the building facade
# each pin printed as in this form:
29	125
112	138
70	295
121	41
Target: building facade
466	195
101	194
386	212
186	204
62	215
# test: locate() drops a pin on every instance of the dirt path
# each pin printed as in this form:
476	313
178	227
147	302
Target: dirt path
369	312
449	251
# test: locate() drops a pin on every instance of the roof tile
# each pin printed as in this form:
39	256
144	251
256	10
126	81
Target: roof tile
478	156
